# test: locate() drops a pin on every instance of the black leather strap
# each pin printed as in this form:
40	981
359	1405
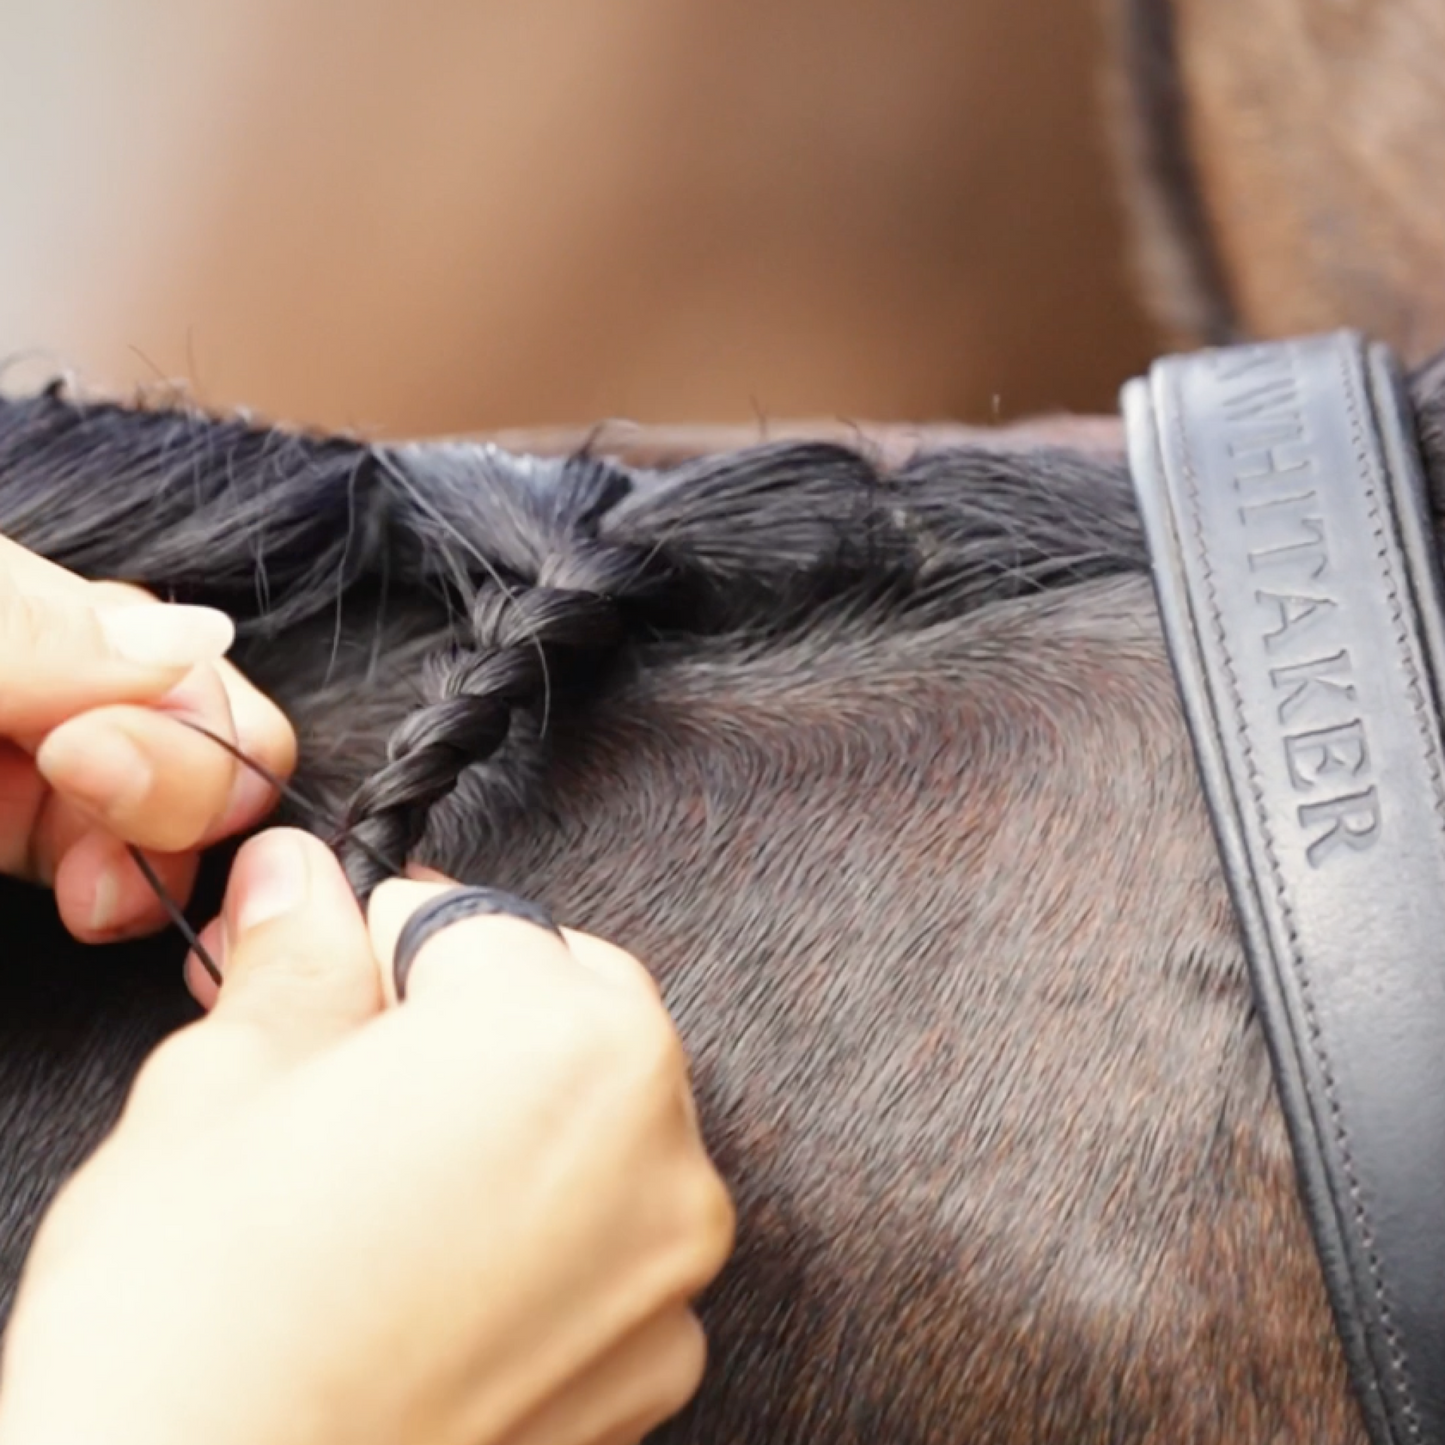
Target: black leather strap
1296	572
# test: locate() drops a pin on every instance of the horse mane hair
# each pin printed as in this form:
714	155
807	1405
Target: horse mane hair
880	768
508	582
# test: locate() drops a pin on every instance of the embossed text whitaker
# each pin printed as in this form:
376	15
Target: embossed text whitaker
1322	730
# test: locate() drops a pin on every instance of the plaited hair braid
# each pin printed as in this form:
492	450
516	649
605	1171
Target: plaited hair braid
553	604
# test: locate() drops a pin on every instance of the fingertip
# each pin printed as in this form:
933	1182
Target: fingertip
63	655
387	910
297	956
614	963
284	871
103	897
420	873
405	917
165	635
251	802
267	743
263	731
96	763
142	772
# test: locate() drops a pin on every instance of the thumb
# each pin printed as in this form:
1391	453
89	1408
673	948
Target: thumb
297	975
297	960
62	654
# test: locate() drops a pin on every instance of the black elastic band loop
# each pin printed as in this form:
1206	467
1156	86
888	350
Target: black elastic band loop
452	907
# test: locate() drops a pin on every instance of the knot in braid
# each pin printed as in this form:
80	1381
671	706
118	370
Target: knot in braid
526	636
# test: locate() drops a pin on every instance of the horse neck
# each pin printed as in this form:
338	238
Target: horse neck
939	916
935	902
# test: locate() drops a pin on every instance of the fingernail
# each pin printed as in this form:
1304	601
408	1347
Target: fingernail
105	902
96	765
165	634
271	877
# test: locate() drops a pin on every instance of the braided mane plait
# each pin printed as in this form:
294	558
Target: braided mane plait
448	598
554	599
505	583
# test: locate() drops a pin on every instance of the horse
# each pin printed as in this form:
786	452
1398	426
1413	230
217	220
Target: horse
873	753
878	763
1278	158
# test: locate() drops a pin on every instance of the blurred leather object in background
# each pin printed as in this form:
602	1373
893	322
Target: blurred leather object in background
439	217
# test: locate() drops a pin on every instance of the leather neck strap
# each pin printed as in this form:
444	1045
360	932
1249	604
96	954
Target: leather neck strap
1284	503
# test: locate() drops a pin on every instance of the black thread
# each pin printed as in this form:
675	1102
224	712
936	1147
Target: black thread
173	909
177	914
317	816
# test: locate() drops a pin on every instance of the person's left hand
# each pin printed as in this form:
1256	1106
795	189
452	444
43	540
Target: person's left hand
95	679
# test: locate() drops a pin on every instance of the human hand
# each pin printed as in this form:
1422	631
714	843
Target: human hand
95	679
478	1217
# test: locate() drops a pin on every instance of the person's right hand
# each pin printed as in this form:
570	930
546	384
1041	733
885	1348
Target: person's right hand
476	1217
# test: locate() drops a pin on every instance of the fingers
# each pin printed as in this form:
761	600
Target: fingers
61	653
586	1016
472	945
298	975
204	988
497	954
616	965
296	956
444	963
238	712
142	775
23	796
141	772
265	735
641	1382
103	896
136	775
149	777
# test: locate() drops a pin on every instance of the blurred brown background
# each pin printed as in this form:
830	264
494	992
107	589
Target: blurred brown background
435	216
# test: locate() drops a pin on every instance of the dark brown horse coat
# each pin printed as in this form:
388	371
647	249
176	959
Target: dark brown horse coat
885	777
892	793
1283	161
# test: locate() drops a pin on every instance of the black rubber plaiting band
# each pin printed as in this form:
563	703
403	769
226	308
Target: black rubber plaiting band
452	907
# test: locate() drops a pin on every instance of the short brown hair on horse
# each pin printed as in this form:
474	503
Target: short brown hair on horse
878	763
1281	159
880	767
